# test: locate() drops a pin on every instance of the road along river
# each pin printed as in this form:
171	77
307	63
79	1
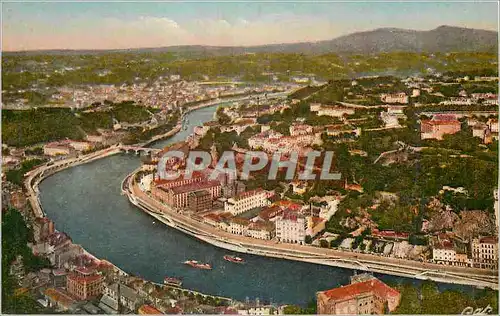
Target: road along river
85	201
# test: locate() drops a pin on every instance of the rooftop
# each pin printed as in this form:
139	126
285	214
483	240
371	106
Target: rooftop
148	309
59	296
352	290
247	194
195	186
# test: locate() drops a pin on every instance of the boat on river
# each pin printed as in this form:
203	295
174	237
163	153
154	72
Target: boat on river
172	281
233	259
198	265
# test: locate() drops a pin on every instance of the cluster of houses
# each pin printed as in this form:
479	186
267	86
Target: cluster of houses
447	124
480	252
168	92
79	283
284	221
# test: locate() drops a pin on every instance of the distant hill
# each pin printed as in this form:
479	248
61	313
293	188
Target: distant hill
441	39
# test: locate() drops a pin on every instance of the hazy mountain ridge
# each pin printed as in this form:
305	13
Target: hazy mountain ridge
440	39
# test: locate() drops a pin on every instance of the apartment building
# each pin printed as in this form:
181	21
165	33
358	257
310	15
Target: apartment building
400	97
84	283
291	227
485	252
246	201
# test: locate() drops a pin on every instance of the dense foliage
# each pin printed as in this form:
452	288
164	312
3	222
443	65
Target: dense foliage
15	236
22	128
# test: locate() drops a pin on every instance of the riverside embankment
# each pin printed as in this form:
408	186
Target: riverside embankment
330	257
86	202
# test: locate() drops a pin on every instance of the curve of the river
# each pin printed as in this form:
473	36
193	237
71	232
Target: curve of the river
85	202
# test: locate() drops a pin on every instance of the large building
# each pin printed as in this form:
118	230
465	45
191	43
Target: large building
261	230
394	98
366	296
84	283
199	201
179	196
485	252
437	128
246	201
334	111
291	227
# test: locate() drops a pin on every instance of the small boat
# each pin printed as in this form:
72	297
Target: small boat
172	281
233	259
198	265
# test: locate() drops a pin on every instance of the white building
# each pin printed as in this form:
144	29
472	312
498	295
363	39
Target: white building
246	201
291	228
258	310
55	149
479	130
400	97
485	252
444	254
261	230
238	226
334	111
493	125
315	107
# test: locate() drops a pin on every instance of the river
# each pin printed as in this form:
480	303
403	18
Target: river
85	202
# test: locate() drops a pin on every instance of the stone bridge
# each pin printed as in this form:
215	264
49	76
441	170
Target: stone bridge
138	150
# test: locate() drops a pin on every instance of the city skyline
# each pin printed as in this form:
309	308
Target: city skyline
112	25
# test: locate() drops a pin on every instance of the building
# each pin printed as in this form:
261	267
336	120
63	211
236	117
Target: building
485	252
56	149
178	196
392	116
493	125
58	277
129	298
291	228
300	129
84	283
479	130
58	299
437	128
238	225
80	146
148	310
334	111
400	97
261	230
95	138
246	201
444	253
199	201
368	296
43	228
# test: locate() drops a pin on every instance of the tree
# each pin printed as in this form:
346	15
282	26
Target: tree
308	239
323	243
292	310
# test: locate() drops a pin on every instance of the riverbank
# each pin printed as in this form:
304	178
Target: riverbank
36	176
317	255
